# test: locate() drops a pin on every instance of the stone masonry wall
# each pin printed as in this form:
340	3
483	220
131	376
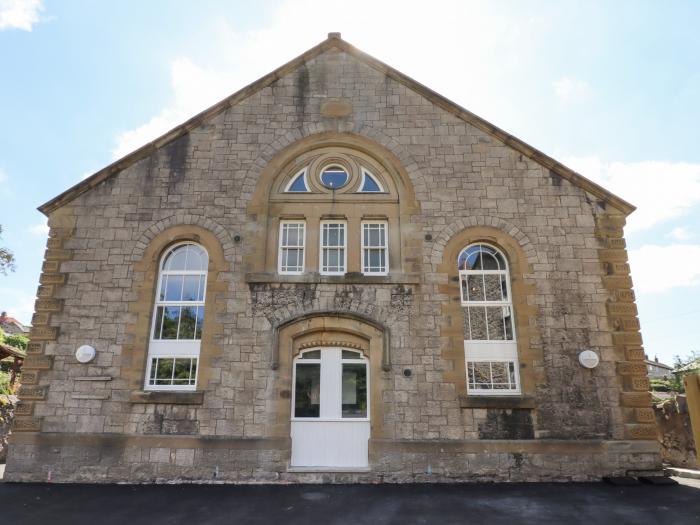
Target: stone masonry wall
207	178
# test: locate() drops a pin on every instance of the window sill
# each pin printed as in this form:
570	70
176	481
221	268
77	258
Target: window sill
466	401
172	398
348	278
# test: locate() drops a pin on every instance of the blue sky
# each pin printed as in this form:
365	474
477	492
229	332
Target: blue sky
609	88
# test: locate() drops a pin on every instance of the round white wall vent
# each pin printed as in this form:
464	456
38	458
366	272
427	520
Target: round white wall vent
85	354
588	359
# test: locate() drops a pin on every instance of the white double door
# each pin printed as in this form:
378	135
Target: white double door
330	409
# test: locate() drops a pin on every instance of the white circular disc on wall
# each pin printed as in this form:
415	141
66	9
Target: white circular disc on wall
588	359
85	354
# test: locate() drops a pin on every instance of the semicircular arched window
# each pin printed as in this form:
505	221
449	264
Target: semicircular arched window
489	337
178	317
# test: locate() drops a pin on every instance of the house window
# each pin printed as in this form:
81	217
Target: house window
178	317
369	183
334	177
298	183
291	251
333	253
489	336
375	251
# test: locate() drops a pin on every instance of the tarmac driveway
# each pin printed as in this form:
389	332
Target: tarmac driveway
590	503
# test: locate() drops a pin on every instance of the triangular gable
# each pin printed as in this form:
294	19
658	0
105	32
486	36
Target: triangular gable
334	41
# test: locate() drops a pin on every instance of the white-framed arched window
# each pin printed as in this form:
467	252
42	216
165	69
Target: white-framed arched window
178	317
490	348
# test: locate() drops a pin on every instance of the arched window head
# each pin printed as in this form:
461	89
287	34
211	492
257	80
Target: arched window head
178	318
298	183
489	334
369	183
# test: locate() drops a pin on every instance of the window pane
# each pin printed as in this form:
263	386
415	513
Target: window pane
375	259
504	287
492	287
481	375
334	177
477	322
370	185
354	390
499	323
475	287
188	320
200	323
177	259
173	288
171	315
182	371
164	370
196	258
190	289
307	390
292	237
158	323
314	354
469	259
350	354
488	259
299	185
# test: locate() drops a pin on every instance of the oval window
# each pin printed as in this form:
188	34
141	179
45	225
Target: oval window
334	177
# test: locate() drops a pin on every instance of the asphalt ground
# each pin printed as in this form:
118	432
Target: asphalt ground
561	503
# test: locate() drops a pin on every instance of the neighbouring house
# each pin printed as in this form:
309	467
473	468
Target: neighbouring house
691	367
334	275
12	326
657	370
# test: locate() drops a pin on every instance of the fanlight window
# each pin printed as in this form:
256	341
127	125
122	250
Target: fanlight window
370	184
298	183
490	348
178	319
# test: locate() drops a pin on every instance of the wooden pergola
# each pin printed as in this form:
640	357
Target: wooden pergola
18	358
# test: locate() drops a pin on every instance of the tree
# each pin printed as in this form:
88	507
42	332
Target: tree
7	258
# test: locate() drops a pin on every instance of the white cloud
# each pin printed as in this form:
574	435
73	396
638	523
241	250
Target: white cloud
660	190
17	303
649	261
477	79
19	14
571	90
41	229
681	234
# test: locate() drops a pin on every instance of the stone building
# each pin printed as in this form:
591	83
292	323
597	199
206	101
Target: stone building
335	274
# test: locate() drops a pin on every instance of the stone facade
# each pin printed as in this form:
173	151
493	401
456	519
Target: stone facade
456	179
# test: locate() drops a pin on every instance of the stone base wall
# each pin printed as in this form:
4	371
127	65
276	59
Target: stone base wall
94	459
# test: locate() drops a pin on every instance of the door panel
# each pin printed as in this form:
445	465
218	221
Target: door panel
330	418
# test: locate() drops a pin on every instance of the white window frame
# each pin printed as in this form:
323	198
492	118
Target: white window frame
281	248
344	247
490	350
174	348
363	247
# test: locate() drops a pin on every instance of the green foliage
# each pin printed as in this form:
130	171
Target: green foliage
16	340
7	259
672	384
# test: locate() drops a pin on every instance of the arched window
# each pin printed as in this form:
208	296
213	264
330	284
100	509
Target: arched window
489	336
178	317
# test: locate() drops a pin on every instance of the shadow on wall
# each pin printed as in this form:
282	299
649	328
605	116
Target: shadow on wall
675	433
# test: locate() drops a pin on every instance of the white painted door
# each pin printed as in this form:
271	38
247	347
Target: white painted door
330	409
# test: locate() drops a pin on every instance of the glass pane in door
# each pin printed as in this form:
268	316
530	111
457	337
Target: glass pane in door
307	391
354	390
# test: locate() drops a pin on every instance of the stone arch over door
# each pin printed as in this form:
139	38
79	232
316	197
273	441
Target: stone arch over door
332	330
